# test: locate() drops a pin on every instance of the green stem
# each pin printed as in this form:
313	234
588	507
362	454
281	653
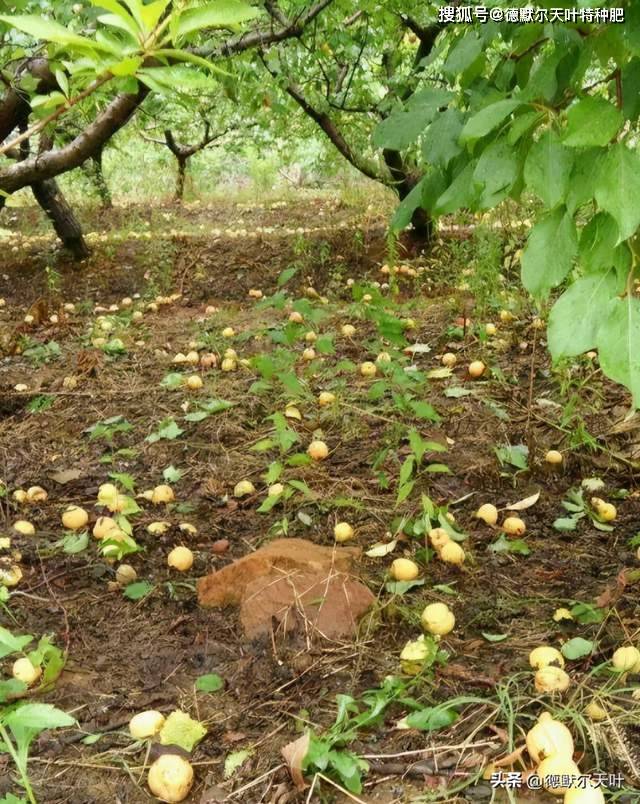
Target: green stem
24	778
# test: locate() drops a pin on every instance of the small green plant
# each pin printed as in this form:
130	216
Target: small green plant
106	430
40	353
21	722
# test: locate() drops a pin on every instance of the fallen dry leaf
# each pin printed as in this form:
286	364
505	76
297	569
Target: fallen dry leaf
293	754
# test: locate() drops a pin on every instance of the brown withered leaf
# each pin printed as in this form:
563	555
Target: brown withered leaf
293	754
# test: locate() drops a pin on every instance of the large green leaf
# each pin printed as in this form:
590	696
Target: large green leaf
576	316
484	121
496	172
618	340
618	188
12	644
37	717
49	31
440	144
118	17
597	242
591	122
462	192
221	14
406	208
547	169
548	256
404	126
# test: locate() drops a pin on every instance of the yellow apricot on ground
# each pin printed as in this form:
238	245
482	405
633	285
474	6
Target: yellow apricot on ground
194	382
553	768
24	528
490	329
551	679
170	778
584	795
403	569
626	659
348	330
452	553
23	670
448	359
180	558
514	526
488	513
476	369
595	712
548	737
368	369
438	619
544	656
342	532
146	724
317	450
36	494
438	538
104	524
228	332
162	494
326	398
243	488
553	457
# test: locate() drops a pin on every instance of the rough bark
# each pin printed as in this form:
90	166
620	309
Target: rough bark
180	178
100	181
51	163
57	209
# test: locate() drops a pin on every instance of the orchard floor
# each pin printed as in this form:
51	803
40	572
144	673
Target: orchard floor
124	656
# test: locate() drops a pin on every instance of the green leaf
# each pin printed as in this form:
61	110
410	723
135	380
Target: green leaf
167	429
587	614
484	121
138	590
598	242
592	122
462	192
400	587
171	474
182	730
36	717
405	209
221	14
548	168
440	144
549	253
504	545
577	315
404	126
235	760
618	343
576	648
75	543
495	637
40	27
12	644
618	188
209	683
496	172
432	718
463	53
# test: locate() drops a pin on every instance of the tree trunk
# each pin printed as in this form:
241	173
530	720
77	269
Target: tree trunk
180	178
101	182
57	209
405	181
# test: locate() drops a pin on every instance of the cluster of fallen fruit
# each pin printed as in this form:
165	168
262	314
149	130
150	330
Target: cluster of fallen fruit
171	776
